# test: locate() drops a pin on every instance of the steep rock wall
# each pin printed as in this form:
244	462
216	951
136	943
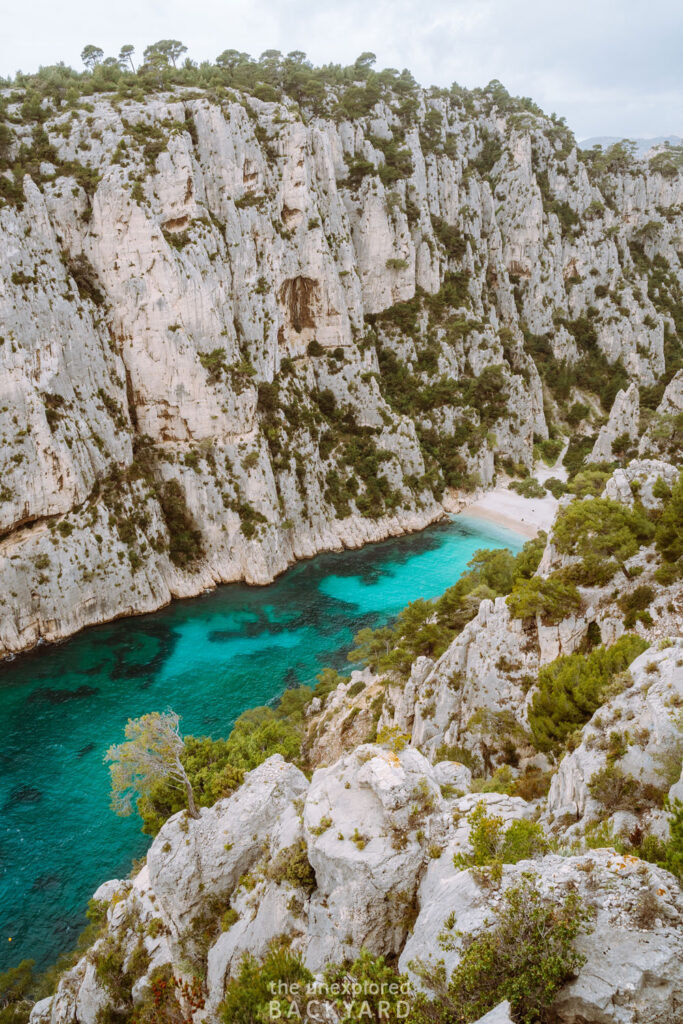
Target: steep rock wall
225	347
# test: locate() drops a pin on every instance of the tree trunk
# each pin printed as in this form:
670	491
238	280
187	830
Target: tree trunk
191	805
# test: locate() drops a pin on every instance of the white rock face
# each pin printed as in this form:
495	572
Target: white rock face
498	1015
633	970
623	421
645	718
145	322
453	774
189	858
488	667
363	857
368	860
644	473
660	436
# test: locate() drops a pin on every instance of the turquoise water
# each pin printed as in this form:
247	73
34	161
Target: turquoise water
209	659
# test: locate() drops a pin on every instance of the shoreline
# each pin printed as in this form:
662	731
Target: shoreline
337	538
499	507
525	516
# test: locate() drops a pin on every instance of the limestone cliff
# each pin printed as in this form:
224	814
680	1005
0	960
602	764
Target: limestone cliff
234	334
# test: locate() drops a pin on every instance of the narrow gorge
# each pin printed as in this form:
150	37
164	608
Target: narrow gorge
254	311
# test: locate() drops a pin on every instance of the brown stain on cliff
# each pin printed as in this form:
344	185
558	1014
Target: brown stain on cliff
299	297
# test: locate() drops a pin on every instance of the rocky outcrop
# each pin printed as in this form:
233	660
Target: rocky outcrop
662	435
638	479
622	425
637	735
487	668
335	865
363	857
184	863
632	970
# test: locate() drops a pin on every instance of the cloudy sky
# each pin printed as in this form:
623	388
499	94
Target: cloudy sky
611	67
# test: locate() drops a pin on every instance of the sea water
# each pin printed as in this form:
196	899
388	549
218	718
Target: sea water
209	659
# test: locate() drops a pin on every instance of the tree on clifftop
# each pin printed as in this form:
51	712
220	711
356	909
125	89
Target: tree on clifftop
126	56
151	753
91	56
166	51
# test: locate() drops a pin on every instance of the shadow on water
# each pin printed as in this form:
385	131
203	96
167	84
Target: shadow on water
48	695
209	658
23	795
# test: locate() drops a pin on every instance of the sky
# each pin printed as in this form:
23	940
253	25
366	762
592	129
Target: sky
610	68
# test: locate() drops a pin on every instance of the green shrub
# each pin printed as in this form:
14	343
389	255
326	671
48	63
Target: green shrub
669	530
228	919
552	597
486	833
578	412
502	781
258	734
556	487
259	985
617	791
572	688
635	603
85	276
669	573
529	488
359	169
185	541
525	955
532	783
215	363
16	988
109	963
576	453
384	994
673	860
293	866
602	529
327	681
493	845
489	154
249	199
523	840
593	570
591	480
550	448
450	237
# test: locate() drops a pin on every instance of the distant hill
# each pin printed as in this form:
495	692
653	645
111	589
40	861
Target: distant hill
642	145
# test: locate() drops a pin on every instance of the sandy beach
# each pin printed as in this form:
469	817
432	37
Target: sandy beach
509	509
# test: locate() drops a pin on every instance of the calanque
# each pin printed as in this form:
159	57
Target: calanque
249	316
